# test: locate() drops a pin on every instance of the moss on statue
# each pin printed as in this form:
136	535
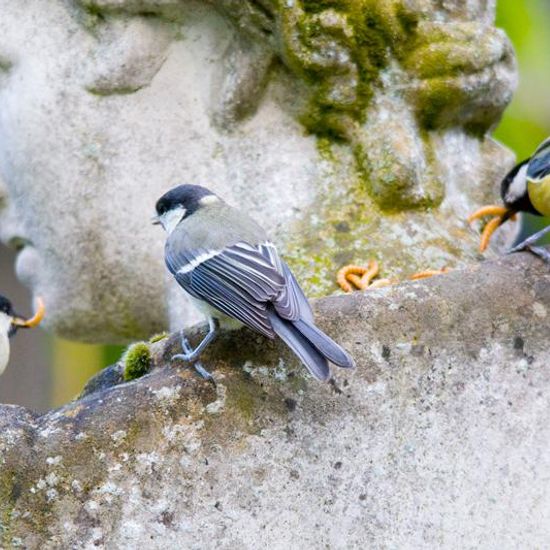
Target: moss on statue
136	361
343	226
158	337
339	48
343	52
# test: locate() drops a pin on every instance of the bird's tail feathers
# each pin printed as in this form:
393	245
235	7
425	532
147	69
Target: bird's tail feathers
310	356
324	344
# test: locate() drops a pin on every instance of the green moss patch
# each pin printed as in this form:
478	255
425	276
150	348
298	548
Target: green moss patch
136	361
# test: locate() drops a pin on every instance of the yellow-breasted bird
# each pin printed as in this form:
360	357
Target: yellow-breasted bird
526	188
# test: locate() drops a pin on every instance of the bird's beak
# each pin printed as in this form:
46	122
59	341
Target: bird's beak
34	321
155	220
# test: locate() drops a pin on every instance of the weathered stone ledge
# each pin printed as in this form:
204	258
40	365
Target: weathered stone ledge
440	437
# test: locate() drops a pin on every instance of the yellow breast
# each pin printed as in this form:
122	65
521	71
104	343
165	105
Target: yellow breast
539	194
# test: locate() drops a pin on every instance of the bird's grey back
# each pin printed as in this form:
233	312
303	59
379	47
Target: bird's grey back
215	227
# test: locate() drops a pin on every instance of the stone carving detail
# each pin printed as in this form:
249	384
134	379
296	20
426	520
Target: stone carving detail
378	74
349	129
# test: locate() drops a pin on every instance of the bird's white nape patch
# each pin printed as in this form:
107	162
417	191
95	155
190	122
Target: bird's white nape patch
5	322
209	199
170	219
518	187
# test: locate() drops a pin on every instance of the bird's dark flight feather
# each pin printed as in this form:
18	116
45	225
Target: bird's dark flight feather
315	362
539	165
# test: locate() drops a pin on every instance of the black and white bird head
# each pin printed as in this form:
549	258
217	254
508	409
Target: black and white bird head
180	203
10	322
513	188
526	188
7	316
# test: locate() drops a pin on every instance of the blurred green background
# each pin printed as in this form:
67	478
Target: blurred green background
525	124
527	120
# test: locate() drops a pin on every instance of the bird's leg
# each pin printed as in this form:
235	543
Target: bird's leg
528	243
197	365
541	252
190	354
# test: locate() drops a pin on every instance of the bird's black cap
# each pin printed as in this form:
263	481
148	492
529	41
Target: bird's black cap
5	306
187	196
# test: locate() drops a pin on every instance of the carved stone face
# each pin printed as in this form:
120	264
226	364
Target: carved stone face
88	143
101	114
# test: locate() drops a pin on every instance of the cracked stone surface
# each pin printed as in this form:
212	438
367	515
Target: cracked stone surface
439	438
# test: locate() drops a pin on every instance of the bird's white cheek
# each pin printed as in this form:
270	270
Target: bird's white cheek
170	219
4	353
518	187
5	324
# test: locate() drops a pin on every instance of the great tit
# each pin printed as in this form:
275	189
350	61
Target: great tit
526	188
9	323
225	262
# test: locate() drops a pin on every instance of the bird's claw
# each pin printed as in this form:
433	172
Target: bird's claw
185	357
539	251
203	372
529	242
191	356
186	346
197	365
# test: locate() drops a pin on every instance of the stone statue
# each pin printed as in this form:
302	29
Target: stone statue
349	129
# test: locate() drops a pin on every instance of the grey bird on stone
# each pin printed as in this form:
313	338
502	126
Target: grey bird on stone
225	262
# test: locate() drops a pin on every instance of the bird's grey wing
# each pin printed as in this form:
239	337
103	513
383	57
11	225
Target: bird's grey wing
539	164
292	303
238	280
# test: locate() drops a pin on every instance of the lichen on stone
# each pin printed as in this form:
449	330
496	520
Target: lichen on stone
136	361
158	337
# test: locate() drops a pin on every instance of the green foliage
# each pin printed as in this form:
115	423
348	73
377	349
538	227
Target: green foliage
526	122
136	361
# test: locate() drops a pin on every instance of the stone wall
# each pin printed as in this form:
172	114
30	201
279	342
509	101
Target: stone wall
439	438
